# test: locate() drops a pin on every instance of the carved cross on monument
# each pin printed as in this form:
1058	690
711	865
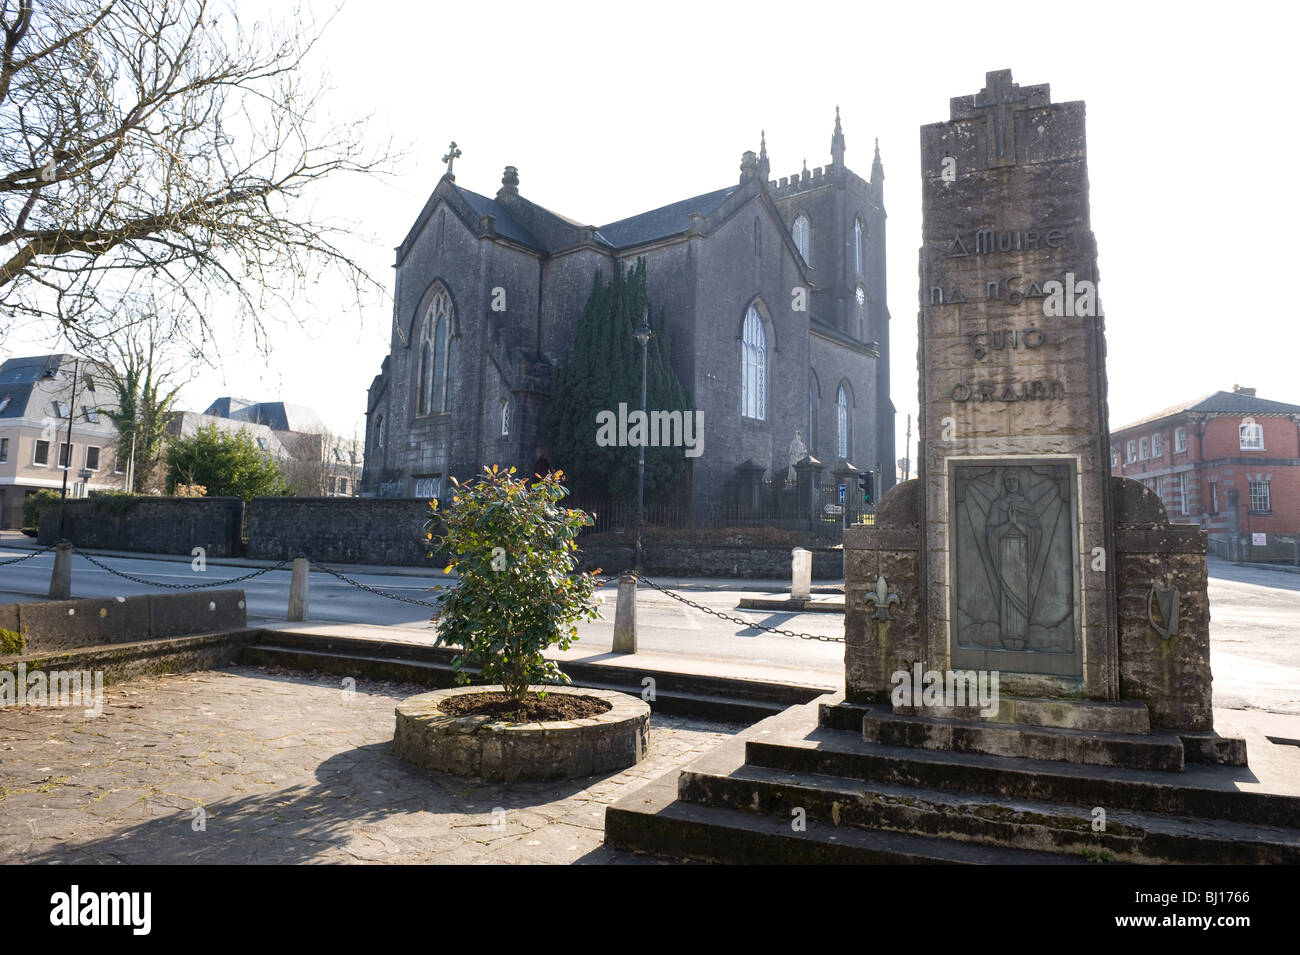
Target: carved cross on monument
999	93
452	155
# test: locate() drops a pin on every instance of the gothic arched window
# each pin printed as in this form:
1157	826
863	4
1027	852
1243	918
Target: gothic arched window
842	423
802	232
505	416
753	370
814	402
437	355
858	235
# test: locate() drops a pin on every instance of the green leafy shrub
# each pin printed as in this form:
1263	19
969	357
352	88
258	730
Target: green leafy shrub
515	550
32	505
114	502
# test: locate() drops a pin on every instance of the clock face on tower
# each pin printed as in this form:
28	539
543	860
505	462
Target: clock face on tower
861	297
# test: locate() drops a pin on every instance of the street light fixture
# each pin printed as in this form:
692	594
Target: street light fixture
642	335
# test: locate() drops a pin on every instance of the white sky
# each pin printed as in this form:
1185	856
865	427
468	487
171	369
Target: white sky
611	109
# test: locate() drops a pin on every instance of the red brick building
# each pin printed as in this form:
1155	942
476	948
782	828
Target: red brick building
1228	461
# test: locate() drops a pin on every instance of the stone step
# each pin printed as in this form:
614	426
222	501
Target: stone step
1104	717
779	695
653	820
668	699
1203	792
1161	751
974	818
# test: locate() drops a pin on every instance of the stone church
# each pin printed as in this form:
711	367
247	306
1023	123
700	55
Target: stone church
773	290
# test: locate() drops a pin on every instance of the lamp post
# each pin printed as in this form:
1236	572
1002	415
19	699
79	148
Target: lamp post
641	334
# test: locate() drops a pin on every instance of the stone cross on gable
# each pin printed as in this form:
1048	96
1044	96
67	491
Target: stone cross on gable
452	155
1001	97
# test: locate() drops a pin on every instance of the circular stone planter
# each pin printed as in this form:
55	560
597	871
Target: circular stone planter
495	751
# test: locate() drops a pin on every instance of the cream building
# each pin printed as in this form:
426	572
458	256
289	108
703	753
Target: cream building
36	402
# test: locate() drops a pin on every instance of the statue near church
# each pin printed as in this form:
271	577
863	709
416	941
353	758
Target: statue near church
797	452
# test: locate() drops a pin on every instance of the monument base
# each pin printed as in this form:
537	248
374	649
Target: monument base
795	789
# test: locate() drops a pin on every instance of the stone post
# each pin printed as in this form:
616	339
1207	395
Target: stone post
298	589
808	474
800	573
61	579
625	615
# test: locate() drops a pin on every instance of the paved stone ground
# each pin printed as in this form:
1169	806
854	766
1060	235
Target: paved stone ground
251	764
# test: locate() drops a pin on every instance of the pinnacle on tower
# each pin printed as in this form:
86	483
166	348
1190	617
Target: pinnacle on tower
764	167
877	168
837	141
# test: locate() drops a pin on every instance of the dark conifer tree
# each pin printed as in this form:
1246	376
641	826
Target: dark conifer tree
604	370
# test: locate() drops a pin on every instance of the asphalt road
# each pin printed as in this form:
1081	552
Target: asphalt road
665	626
1254	626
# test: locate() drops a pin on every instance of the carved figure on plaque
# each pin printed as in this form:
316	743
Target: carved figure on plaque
1015	557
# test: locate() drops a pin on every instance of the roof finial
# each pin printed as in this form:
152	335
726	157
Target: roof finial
877	168
837	141
452	155
764	167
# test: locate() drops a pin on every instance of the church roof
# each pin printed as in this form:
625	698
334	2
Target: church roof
1219	402
505	224
667	220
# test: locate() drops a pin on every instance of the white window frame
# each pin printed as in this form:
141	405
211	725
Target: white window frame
1251	435
1182	493
753	366
859	233
1143	451
434	358
1157	445
505	417
1114	458
96	449
36	447
1180	440
1130	451
428	487
1266	496
843	423
1214	497
801	232
72	450
4	450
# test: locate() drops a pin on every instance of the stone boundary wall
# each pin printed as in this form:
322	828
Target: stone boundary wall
346	530
53	626
164	525
711	560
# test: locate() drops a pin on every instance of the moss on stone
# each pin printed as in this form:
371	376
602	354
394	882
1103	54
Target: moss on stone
12	643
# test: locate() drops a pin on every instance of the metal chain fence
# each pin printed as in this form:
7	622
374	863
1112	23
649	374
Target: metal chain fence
35	553
157	583
375	590
600	581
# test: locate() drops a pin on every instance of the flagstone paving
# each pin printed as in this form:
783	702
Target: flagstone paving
259	765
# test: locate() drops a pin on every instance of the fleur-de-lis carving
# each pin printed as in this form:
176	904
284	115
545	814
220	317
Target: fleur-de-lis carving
881	599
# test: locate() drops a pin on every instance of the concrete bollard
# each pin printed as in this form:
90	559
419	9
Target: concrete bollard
61	579
298	589
625	615
800	573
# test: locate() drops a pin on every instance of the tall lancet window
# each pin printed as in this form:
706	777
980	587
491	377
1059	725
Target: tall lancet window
753	369
858	236
802	237
437	355
842	423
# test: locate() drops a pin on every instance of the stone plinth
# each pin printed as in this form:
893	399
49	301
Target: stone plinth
1170	674
488	749
890	548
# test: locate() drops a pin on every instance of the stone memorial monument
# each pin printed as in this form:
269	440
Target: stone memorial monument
1004	551
1026	637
